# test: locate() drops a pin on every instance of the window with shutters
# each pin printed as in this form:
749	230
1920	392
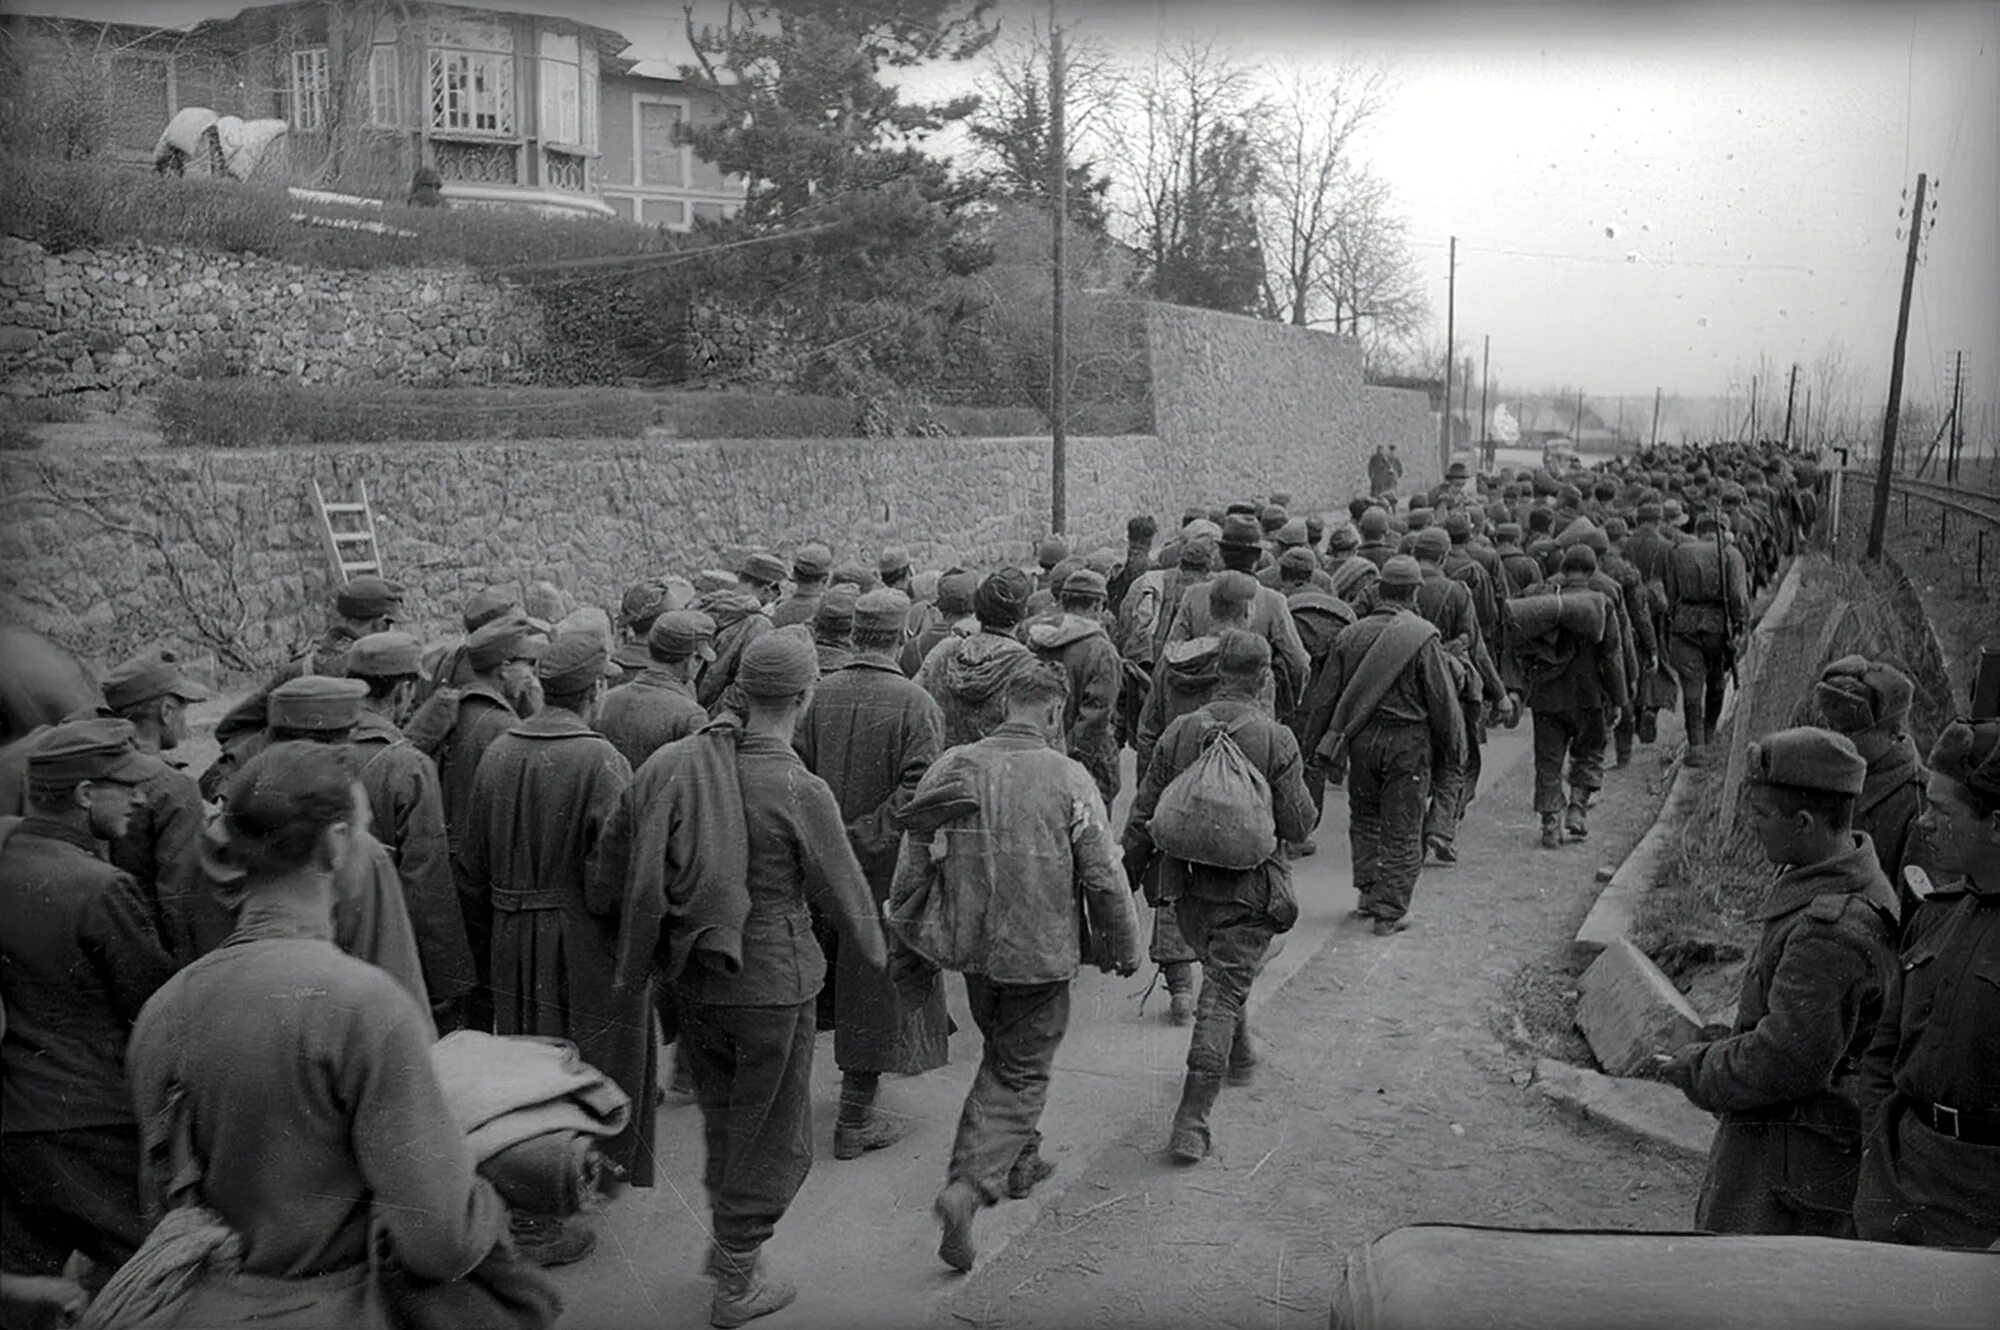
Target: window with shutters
561	73
309	88
662	157
472	92
385	87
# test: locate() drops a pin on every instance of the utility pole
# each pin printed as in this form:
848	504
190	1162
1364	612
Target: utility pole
1578	435
1656	418
1485	382
1059	254
1791	386
1957	416
1753	408
1805	421
1450	349
1885	469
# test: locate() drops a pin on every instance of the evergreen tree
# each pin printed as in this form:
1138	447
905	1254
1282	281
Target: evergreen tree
1214	258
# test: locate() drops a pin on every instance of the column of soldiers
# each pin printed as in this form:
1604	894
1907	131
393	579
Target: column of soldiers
693	830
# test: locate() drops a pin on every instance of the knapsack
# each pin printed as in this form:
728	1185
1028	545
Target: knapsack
1217	811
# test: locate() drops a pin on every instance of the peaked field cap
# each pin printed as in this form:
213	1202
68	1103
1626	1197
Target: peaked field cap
1240	530
1430	543
762	566
1807	757
574	660
385	656
488	605
1085	582
155	674
1052	551
499	642
778	665
1233	588
954	591
814	559
642	600
316	702
1292	533
1240	652
368	597
1968	751
892	560
883	610
678	634
95	748
835	612
1400	570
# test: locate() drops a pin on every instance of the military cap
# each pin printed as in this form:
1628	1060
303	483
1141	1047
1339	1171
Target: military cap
855	574
1315	529
1419	519
1579	558
812	561
1297	560
1060	573
1458	526
881	611
1400	570
1085	582
1232	587
1419	500
1374	524
385	656
1806	758
572	661
1430	544
94	748
1272	516
488	605
1458	471
368	597
892	561
1198	552
1672	509
1200	527
1651	512
316	702
778	665
1240	509
954	591
1239	652
835	613
1615	529
1104	561
544	601
761	566
1545	485
1343	539
1292	534
499	642
1052	551
1568	494
1732	492
642	601
1969	753
678	634
1282	498
1508	532
1856	694
156	674
1000	599
712	579
1240	531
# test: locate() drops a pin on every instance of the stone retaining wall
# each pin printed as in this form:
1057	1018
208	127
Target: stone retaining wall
112	321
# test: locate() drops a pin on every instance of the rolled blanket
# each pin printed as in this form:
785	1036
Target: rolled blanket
1583	613
507	1089
550	1174
163	1272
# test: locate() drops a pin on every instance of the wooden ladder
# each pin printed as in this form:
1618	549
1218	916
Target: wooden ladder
350	541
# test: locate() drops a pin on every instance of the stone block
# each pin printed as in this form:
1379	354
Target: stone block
1649	1110
19	339
1628	1009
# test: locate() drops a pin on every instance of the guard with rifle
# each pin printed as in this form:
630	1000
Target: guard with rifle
1708	605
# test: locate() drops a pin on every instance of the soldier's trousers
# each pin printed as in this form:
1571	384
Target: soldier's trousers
1232	941
1922	1188
1575	736
1388	782
70	1190
753	1079
1700	662
1023	1026
1455	787
1168	946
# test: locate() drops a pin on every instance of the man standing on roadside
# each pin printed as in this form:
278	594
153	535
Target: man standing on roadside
151	692
1009	848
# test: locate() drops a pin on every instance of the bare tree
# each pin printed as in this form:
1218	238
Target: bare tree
1312	182
1011	128
1369	277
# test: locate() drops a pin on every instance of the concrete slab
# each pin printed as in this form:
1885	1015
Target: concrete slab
1650	1110
1627	1009
1611	915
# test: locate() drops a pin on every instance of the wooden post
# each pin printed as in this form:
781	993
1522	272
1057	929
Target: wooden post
1791	386
1450	349
1885	470
1059	253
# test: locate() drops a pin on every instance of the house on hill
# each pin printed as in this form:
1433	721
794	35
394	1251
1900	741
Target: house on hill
510	108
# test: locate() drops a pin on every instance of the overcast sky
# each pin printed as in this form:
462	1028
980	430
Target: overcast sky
1750	158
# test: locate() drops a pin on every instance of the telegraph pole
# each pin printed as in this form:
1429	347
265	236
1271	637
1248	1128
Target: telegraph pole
1885	469
1485	382
1450	349
1578	436
1791	386
1753	408
1957	416
1656	418
1059	253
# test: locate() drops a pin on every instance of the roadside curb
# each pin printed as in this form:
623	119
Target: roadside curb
1651	1111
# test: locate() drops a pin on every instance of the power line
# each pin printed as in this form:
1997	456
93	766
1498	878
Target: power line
1642	262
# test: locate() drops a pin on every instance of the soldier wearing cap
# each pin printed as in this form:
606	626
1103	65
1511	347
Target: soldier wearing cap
811	566
1392	719
1229	916
1375	546
762	573
870	734
1575	682
659	705
406	808
1073	636
953	619
543	794
447	668
368	604
643	604
967	676
1449	604
716	847
1052	550
1784	1080
856	574
739	620
1930	1083
1869	702
151	692
1708	609
79	956
1208	607
1290	543
833	628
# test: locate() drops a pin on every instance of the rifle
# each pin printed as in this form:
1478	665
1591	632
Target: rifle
1728	619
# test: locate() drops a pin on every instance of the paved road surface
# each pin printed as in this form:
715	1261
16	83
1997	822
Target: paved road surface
860	1238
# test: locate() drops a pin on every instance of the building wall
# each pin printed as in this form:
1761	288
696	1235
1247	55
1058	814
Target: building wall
617	175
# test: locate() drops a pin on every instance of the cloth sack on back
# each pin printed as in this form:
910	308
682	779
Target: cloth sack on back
1217	811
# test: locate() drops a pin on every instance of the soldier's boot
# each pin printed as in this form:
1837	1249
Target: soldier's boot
955	1207
1030	1171
1576	822
1244	1055
1646	725
1189	1141
1552	832
745	1288
1180	991
682	1082
1697	736
548	1240
860	1126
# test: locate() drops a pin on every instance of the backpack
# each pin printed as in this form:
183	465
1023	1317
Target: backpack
1217	811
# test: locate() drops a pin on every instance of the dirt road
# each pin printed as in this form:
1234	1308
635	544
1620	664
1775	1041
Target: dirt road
1387	1098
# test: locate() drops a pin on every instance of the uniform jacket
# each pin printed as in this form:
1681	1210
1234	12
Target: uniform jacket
1577	675
1892	795
967	678
78	959
1269	617
1938	1040
483	716
739	621
1424	693
1813	991
167	816
311	1105
1270	748
997	891
648	713
1096	673
1698	596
